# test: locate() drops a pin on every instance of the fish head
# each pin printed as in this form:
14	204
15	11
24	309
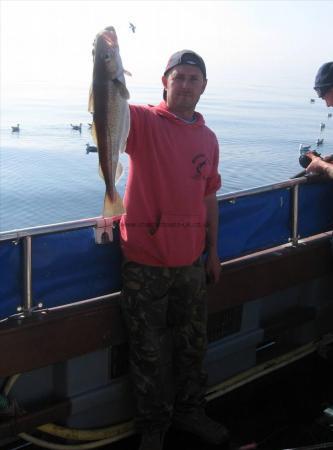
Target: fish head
107	60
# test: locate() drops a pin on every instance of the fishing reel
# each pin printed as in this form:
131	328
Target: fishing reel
303	159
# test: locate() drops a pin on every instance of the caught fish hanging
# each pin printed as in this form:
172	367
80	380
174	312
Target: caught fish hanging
111	117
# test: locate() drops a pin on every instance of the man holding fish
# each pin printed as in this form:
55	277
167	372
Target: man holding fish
171	219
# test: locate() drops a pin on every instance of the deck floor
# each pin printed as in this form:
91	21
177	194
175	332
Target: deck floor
280	411
283	410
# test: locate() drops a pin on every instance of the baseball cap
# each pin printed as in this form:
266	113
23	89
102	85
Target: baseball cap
186	57
324	79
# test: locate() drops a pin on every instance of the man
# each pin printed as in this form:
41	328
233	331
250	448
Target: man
324	88
171	218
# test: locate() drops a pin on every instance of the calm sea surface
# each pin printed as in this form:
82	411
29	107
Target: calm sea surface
47	177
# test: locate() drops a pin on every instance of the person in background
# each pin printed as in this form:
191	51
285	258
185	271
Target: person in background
171	218
324	88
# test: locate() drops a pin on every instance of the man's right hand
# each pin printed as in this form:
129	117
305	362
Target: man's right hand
319	165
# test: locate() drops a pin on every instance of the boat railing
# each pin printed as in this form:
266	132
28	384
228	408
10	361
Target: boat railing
243	219
95	221
292	184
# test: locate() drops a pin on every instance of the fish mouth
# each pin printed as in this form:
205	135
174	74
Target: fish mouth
110	39
110	28
110	35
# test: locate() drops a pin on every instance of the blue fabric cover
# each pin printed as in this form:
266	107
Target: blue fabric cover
254	222
11	276
316	208
69	266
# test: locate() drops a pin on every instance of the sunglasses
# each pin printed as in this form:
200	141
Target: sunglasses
323	91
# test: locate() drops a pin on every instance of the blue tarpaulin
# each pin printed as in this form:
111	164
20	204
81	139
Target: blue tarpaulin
69	266
316	208
11	277
253	222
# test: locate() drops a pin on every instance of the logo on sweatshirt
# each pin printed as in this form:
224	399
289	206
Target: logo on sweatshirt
201	166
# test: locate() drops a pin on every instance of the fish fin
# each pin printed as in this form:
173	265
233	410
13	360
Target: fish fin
93	133
126	72
115	208
119	172
126	128
91	100
100	171
123	91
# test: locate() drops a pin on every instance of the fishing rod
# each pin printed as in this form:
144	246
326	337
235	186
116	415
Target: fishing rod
253	446
305	160
313	447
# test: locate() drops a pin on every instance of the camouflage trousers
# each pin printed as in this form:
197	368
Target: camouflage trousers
165	305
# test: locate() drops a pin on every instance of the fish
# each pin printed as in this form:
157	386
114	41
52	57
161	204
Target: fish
111	117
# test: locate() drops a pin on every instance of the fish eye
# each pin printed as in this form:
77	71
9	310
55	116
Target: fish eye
106	56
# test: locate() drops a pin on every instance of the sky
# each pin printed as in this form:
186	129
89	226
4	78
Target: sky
242	41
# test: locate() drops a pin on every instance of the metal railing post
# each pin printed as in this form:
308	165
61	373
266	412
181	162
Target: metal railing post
27	275
295	209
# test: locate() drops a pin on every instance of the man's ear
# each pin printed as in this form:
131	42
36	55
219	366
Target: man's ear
204	86
164	81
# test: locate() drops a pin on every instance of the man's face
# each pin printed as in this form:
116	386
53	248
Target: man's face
328	97
184	85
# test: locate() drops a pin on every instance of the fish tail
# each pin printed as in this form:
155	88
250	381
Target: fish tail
113	208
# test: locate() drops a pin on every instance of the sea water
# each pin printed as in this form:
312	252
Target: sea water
47	177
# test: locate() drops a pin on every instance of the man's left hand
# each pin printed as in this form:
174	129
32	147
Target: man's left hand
213	268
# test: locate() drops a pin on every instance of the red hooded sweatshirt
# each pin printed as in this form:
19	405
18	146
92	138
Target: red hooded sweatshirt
173	166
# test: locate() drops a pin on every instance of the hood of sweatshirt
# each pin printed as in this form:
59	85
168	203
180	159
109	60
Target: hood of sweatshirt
163	110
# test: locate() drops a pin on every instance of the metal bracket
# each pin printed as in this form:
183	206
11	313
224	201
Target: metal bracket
24	313
104	230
